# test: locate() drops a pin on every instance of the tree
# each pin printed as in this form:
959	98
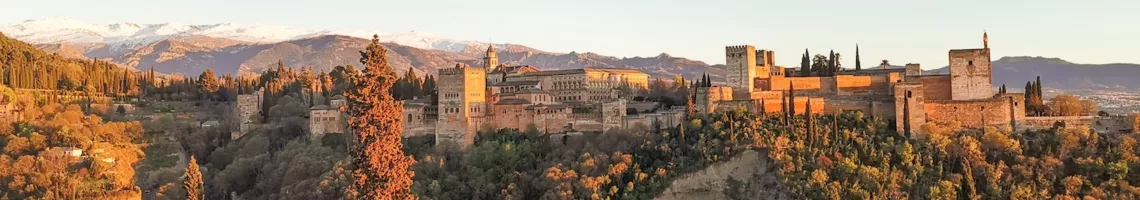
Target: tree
208	82
382	168
805	64
831	66
819	64
858	64
885	63
193	181
1066	105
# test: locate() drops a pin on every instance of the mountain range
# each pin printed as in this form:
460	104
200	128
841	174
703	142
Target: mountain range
229	48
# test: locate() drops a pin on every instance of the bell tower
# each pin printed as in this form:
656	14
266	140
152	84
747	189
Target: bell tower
491	60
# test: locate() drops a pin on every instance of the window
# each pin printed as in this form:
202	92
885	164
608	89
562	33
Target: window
970	62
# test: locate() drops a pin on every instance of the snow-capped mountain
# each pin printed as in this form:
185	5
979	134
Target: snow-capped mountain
122	36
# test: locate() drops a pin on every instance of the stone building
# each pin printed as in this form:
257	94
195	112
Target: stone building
325	119
905	95
246	107
462	104
521	97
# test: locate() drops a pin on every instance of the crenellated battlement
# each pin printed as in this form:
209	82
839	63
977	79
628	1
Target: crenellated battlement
738	49
459	69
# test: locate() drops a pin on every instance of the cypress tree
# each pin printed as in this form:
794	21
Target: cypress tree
791	98
805	64
858	64
831	63
382	167
193	182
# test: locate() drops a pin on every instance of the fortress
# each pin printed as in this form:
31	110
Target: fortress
903	94
524	97
588	100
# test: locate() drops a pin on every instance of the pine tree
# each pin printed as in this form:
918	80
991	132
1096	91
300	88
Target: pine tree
382	168
193	181
858	64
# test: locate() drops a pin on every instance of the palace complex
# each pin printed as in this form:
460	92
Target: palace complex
589	100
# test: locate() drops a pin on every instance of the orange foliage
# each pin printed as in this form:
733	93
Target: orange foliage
382	168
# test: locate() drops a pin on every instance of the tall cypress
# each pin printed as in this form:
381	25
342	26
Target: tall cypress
805	64
858	64
193	181
831	69
382	167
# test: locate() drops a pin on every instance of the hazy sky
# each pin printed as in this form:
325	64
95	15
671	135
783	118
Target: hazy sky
903	31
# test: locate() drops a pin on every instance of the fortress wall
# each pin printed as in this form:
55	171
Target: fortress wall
1047	122
884	82
935	87
838	105
801	83
848	84
971	113
1116	124
426	128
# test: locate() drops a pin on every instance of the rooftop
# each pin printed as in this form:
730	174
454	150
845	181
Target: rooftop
582	71
516	83
531	91
321	107
542	106
513	101
515	69
966	50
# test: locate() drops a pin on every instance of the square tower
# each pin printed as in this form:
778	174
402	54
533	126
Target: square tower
970	76
462	104
740	62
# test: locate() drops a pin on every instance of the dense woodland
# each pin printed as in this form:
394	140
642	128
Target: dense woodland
844	156
36	162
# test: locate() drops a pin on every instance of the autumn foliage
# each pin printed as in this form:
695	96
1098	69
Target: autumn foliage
382	168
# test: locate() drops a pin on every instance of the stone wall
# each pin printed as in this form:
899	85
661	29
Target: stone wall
970	74
1047	122
936	87
910	110
326	120
1117	124
971	114
245	108
462	104
801	83
740	62
1006	109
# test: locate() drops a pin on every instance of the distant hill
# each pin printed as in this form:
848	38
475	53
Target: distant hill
1061	74
237	48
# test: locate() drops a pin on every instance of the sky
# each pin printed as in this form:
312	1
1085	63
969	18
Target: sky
902	31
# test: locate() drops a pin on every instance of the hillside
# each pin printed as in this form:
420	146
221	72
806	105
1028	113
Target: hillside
1061	74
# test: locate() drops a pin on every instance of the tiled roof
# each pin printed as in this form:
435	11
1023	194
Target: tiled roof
552	106
582	71
517	83
531	91
513	101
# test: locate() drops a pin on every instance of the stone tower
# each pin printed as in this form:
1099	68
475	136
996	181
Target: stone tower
491	60
741	64
970	76
462	104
